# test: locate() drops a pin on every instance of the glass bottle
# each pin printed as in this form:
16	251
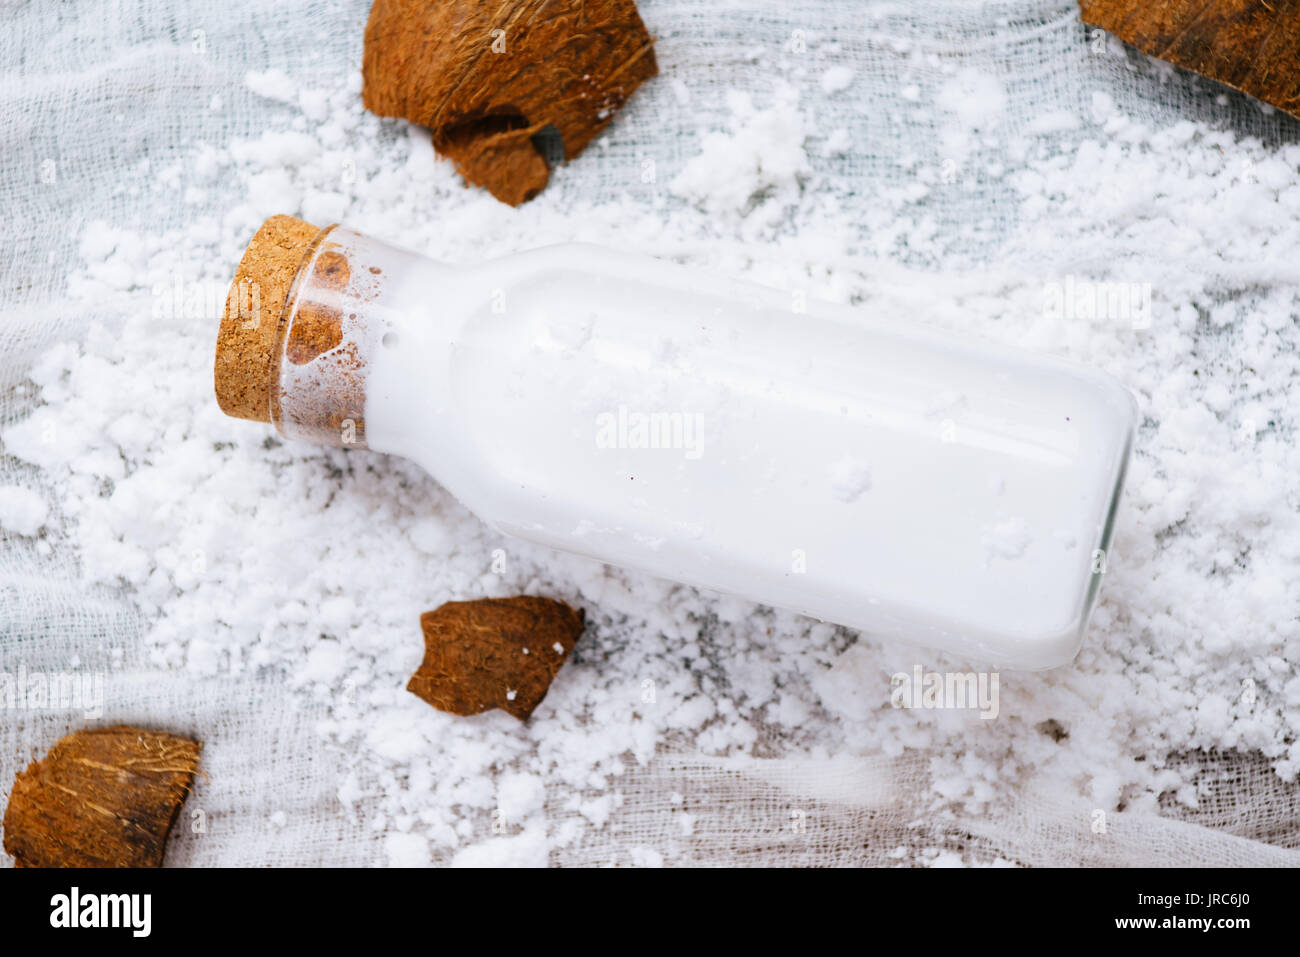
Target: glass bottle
810	456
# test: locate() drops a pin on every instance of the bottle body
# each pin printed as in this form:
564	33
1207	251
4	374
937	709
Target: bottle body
951	494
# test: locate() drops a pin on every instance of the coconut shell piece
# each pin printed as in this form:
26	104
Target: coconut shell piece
494	653
486	76
105	797
1250	45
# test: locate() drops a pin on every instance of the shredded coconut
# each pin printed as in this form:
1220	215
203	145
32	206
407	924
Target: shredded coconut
22	511
836	80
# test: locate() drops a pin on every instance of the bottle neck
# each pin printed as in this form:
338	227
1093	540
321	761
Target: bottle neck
336	315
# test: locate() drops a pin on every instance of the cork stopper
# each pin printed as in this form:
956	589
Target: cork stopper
247	339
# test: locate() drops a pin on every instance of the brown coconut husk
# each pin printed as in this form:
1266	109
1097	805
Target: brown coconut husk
1250	45
494	653
105	797
487	77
